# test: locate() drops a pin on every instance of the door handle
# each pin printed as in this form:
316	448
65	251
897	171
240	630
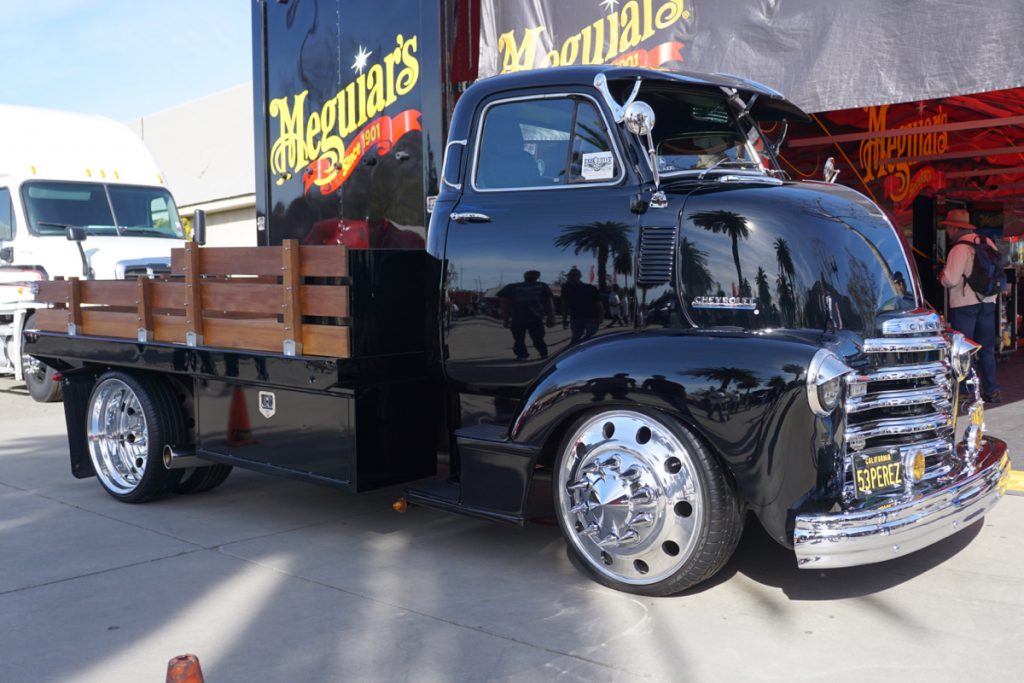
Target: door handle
470	217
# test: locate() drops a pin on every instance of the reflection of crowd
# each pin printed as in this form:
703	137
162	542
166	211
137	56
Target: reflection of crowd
526	308
581	306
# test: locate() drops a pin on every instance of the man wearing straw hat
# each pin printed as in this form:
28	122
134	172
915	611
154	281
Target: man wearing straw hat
970	313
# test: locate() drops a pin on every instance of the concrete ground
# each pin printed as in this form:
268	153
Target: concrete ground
271	580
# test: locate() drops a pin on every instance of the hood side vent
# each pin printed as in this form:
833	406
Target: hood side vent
657	254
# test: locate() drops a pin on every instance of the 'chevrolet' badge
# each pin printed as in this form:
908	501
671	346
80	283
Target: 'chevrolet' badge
735	303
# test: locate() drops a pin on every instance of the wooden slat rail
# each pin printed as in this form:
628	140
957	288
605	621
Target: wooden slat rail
250	298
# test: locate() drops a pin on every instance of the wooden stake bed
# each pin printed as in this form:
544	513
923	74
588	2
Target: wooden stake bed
248	298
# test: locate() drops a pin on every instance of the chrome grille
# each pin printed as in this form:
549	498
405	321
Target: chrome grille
901	399
146	270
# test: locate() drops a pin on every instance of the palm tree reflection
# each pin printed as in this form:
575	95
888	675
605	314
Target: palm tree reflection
603	239
695	273
785	284
736	227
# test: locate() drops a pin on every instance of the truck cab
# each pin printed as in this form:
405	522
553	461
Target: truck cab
80	196
771	350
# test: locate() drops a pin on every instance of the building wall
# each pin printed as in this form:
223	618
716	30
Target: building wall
205	149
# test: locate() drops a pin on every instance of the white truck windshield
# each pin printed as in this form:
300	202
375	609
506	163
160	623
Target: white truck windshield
101	209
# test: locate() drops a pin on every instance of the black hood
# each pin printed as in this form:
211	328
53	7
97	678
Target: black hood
793	256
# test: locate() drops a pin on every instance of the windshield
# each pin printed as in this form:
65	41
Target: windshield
696	131
100	209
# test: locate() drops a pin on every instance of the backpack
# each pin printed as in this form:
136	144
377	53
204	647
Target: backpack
987	276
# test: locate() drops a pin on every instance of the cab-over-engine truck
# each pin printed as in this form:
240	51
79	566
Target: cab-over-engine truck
80	196
770	352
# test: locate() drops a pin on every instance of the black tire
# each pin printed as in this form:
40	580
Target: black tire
202	479
38	376
643	505
130	420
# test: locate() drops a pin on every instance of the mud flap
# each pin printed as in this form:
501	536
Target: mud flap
77	387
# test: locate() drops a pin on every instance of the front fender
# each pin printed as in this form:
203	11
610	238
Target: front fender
743	394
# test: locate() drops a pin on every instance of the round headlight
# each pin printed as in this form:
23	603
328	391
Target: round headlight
828	394
961	350
825	382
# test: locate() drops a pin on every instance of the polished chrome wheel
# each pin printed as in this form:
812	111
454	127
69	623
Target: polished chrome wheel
638	502
130	419
118	436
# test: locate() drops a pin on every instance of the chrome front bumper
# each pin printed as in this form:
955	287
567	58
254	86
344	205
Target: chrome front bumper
867	536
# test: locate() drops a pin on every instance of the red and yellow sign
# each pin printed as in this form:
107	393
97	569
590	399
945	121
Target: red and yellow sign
382	132
610	39
671	51
314	142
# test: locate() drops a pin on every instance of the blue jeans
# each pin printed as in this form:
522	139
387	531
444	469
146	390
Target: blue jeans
978	321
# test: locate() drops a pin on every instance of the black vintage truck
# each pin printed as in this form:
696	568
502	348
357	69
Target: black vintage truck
618	292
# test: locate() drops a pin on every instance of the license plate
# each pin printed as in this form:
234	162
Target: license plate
877	473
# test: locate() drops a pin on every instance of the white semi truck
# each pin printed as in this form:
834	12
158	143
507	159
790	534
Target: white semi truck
80	196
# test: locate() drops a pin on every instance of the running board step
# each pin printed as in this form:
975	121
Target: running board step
440	493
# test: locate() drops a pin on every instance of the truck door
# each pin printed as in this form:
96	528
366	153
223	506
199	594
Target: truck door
539	246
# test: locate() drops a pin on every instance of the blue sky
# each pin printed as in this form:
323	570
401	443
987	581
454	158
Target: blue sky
121	58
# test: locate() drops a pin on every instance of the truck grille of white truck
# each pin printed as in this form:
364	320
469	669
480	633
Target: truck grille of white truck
146	270
902	403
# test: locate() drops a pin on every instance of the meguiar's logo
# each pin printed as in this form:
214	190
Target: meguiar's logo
895	155
314	142
609	40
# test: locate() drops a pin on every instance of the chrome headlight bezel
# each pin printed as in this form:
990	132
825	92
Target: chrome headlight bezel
825	382
961	350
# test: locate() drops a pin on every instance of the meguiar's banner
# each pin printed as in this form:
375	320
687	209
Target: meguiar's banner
342	98
823	55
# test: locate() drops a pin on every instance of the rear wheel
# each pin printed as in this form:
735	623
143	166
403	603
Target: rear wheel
643	505
39	376
202	479
130	420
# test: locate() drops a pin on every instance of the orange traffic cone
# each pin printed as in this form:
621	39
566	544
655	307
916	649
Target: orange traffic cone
239	428
184	669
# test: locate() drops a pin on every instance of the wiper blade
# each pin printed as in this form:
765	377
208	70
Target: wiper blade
142	231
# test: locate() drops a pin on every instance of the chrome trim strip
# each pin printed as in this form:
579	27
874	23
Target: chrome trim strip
906	397
444	164
899	426
610	130
912	324
904	345
929	448
854	538
896	372
753	179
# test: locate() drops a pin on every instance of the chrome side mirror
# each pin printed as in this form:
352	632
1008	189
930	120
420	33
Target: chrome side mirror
639	119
